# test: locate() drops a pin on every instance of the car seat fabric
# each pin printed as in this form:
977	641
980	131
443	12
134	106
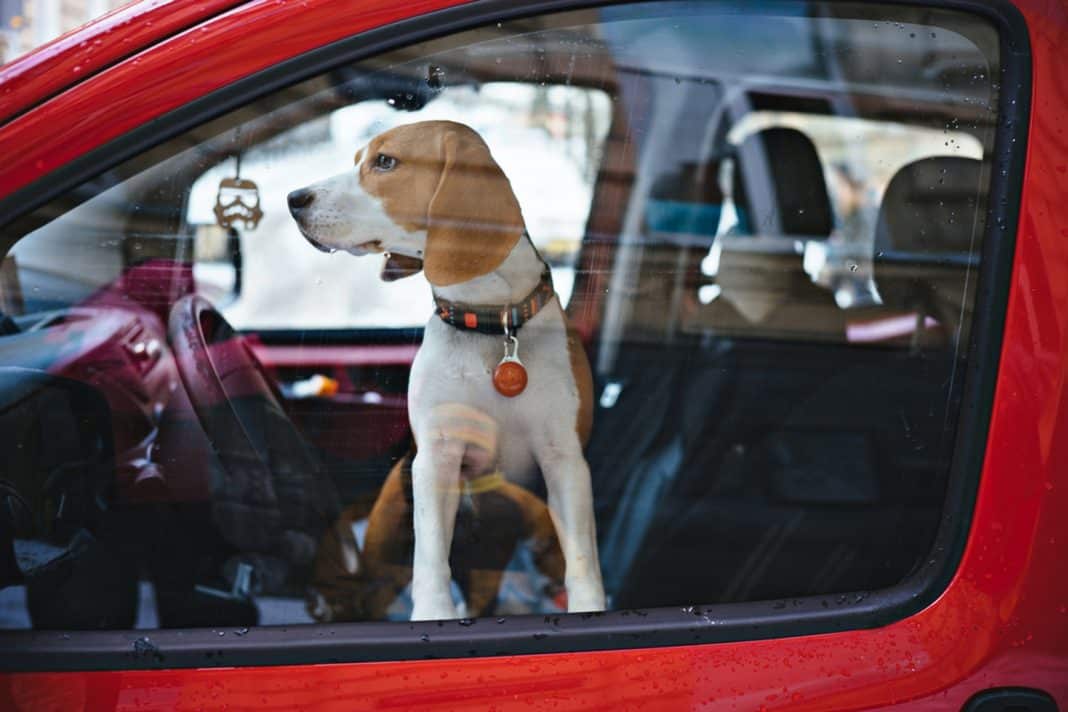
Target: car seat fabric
804	456
693	377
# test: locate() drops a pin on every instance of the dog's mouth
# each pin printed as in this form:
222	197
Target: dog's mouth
318	245
362	249
366	248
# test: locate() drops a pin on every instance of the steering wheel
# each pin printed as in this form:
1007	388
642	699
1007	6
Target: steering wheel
271	496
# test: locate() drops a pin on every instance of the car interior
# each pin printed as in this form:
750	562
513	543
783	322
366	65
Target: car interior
778	339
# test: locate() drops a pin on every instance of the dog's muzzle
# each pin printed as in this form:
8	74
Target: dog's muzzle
299	200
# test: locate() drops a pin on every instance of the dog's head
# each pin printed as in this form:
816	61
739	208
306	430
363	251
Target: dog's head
429	194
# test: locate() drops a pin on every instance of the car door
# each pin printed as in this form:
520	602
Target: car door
796	240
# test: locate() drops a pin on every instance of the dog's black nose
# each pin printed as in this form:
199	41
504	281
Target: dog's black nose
300	199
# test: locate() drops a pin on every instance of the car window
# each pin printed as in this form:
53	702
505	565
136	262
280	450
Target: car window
859	158
714	352
549	137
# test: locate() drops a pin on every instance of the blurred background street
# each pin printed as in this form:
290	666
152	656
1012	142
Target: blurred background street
25	24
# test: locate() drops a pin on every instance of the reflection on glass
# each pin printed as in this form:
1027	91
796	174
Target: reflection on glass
770	256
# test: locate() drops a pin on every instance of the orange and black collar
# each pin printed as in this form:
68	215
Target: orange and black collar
497	319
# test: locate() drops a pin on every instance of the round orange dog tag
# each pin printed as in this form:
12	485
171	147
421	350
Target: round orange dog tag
510	377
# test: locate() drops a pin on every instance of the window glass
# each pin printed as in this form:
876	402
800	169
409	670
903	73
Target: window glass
547	138
625	251
859	158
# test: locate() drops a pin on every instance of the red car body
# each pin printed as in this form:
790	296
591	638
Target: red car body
1001	622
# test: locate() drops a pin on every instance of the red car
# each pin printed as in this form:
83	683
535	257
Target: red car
812	248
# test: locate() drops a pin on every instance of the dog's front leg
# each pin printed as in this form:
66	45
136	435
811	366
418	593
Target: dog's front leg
567	478
435	498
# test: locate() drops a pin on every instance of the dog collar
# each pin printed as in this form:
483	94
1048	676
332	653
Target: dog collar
497	319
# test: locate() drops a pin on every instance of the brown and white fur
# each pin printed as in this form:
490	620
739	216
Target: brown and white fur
431	193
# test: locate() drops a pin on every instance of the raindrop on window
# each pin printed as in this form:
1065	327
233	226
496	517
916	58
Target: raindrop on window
435	77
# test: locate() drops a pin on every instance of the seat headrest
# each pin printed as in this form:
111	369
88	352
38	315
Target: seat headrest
930	207
789	159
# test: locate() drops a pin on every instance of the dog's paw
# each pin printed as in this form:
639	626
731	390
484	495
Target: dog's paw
585	599
433	608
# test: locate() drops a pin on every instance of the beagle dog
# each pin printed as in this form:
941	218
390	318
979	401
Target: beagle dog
429	195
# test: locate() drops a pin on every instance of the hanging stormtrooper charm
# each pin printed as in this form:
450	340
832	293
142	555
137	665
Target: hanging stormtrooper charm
510	376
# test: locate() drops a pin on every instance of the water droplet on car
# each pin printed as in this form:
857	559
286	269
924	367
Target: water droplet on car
425	638
465	622
144	647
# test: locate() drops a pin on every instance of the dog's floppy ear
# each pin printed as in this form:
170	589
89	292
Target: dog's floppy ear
473	220
399	266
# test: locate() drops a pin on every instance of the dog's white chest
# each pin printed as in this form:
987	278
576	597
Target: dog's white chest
455	366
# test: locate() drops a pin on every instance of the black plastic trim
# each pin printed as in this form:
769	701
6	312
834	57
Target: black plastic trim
354	642
1011	699
332	337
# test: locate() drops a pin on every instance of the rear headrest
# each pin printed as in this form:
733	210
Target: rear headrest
924	239
790	161
929	207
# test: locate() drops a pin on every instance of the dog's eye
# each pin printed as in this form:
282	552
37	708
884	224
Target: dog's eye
384	162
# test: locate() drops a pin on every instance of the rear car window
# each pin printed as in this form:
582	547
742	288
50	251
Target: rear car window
771	258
